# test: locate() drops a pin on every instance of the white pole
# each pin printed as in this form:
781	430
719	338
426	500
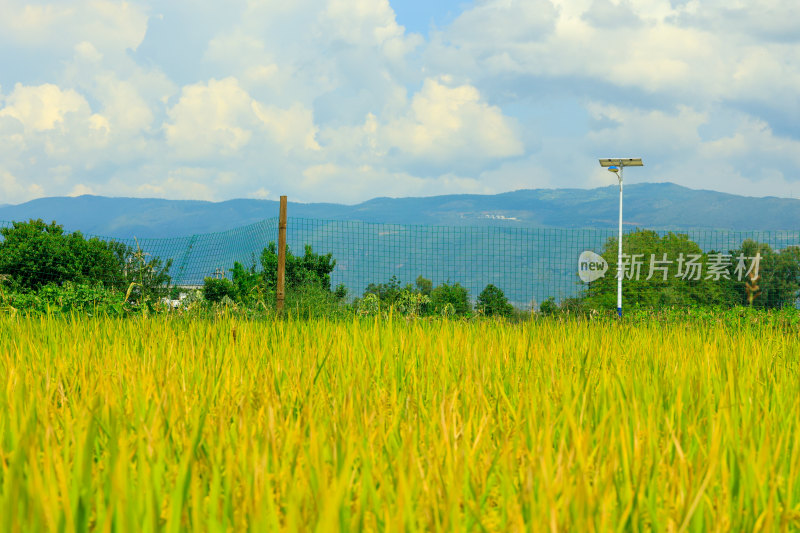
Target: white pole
619	254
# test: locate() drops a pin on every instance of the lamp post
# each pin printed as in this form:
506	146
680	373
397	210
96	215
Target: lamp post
616	166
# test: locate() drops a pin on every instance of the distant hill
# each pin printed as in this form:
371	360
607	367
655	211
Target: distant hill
650	205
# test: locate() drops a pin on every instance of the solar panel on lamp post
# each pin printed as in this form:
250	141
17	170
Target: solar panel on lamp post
616	166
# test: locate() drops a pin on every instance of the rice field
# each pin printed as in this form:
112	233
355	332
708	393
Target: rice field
169	424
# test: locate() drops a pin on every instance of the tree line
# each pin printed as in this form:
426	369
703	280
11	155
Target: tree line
671	270
41	262
308	277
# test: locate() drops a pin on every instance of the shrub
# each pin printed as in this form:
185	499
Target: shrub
311	268
369	305
778	282
411	303
89	299
245	281
313	301
492	302
387	293
549	307
215	290
455	295
341	292
35	254
147	279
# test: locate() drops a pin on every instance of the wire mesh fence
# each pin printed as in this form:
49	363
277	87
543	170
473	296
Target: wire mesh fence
530	265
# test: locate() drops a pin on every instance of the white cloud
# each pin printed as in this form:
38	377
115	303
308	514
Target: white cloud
449	124
80	189
220	118
12	191
766	20
182	183
340	183
654	46
43	107
260	194
503	24
362	22
291	128
210	120
334	100
56	124
240	54
527	173
124	107
86	51
753	146
110	26
645	130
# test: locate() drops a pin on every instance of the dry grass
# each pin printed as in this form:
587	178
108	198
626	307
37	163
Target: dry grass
167	424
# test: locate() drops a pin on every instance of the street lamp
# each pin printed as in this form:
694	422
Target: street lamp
616	166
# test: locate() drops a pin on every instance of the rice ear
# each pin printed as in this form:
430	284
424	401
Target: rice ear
130	289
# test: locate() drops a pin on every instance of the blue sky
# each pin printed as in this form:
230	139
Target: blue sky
345	100
421	16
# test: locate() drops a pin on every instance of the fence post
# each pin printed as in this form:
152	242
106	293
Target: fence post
281	255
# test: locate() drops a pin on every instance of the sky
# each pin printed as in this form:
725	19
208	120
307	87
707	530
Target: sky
346	100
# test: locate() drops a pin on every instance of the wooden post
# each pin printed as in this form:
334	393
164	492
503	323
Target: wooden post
281	255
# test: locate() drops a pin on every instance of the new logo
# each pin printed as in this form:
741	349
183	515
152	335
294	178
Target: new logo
591	266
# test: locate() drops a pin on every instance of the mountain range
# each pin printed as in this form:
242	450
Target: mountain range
647	205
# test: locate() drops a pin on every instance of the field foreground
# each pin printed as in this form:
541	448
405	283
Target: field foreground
150	424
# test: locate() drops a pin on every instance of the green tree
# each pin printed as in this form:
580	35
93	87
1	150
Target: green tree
424	286
388	293
392	295
778	275
422	297
664	285
308	269
146	277
455	295
549	306
215	290
340	292
246	281
34	254
674	283
493	302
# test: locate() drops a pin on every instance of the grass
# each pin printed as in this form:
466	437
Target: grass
226	424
